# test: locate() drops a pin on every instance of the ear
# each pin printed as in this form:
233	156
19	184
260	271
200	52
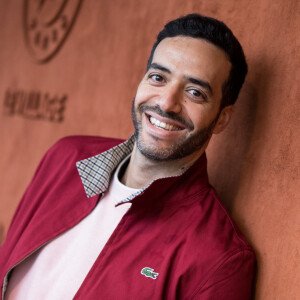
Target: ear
224	118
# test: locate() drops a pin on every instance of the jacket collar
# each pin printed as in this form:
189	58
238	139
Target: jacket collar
96	171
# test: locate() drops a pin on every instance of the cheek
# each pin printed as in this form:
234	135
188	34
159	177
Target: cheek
143	94
200	118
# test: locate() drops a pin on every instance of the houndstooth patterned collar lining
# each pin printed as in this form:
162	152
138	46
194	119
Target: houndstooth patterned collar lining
95	172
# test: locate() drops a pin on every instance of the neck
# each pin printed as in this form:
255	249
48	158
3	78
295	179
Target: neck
141	170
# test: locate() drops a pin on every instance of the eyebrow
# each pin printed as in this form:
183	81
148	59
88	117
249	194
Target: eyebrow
159	67
197	81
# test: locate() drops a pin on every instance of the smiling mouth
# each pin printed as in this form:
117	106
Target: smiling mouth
163	125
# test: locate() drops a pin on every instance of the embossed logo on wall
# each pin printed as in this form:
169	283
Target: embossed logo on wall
35	105
47	24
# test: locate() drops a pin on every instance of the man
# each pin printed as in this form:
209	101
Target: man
140	221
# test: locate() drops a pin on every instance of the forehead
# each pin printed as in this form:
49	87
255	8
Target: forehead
193	57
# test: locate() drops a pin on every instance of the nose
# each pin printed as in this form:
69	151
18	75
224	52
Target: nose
170	99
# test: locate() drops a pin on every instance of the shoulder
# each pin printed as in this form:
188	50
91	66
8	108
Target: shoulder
64	154
224	223
213	232
218	251
81	147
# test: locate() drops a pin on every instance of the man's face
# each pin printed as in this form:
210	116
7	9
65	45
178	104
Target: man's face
177	102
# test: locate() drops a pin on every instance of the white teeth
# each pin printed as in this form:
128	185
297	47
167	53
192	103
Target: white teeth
163	125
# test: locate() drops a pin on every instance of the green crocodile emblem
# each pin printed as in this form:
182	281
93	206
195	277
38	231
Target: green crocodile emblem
148	272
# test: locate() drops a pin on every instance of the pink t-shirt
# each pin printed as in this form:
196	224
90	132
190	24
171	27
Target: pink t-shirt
57	270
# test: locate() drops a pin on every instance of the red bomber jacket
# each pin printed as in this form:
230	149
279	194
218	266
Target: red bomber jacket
175	242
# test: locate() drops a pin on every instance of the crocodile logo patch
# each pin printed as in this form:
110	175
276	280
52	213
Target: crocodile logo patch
148	272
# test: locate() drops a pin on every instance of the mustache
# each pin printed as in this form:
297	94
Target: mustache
169	115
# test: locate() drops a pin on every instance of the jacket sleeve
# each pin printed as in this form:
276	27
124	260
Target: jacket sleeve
24	200
232	280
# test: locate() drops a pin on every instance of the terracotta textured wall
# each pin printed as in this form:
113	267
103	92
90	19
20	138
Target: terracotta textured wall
77	74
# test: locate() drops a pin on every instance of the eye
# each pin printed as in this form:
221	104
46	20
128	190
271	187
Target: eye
196	94
156	78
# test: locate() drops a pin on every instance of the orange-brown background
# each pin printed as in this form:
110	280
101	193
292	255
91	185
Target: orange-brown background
254	165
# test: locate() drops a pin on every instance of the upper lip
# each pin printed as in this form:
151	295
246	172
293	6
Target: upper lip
165	120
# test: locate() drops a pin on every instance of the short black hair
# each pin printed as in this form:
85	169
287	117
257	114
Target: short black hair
217	33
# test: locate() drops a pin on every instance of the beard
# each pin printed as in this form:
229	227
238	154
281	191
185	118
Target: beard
184	146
